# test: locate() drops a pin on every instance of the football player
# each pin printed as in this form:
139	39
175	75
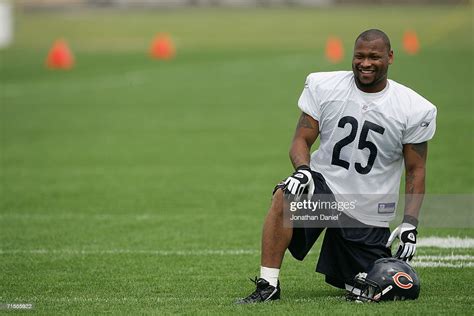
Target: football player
370	129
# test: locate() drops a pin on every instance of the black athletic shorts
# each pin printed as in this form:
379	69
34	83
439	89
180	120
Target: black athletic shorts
345	251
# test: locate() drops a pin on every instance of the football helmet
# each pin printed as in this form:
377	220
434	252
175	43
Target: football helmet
387	279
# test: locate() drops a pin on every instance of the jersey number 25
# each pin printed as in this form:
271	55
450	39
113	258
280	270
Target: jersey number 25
363	143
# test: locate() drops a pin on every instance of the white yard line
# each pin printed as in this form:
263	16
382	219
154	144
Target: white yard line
448	260
434	261
433	264
204	252
446	242
445	258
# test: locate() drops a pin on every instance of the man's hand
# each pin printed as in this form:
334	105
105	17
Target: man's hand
407	234
299	181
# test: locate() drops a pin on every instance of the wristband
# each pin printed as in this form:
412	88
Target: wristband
410	220
303	167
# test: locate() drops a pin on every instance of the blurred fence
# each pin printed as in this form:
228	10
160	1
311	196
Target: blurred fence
67	4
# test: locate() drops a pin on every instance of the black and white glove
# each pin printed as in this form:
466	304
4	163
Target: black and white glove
407	234
299	181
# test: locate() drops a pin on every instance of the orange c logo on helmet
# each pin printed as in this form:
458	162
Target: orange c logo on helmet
396	279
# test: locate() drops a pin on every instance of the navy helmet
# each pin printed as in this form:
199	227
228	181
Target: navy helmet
387	279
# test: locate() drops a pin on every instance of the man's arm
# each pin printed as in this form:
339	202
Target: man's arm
415	162
306	133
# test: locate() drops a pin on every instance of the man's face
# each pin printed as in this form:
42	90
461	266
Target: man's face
370	64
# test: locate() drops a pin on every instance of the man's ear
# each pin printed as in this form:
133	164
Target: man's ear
390	57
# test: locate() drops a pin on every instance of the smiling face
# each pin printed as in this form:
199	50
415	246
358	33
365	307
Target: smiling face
370	64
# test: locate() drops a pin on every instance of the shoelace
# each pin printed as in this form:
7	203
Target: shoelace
257	292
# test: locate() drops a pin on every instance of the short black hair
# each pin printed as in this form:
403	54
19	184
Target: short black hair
374	34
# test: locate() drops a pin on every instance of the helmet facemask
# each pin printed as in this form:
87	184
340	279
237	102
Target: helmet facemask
365	290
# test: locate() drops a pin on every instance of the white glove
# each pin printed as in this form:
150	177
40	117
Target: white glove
407	234
298	181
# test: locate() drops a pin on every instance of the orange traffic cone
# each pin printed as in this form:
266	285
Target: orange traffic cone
60	56
411	44
162	47
334	49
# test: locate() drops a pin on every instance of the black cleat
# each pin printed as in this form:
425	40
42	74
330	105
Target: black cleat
264	292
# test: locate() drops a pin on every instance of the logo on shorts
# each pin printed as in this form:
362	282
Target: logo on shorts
399	283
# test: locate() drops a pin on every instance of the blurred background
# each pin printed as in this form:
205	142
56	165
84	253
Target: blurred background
164	125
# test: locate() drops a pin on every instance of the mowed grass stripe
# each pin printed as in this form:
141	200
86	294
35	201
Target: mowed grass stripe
420	261
203	252
206	252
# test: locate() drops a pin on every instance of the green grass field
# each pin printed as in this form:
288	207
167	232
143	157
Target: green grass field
130	185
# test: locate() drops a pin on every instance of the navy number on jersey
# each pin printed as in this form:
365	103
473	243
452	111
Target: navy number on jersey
363	143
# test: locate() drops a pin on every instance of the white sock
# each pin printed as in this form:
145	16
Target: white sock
270	274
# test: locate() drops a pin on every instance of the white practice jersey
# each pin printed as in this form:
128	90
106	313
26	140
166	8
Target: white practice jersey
361	139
